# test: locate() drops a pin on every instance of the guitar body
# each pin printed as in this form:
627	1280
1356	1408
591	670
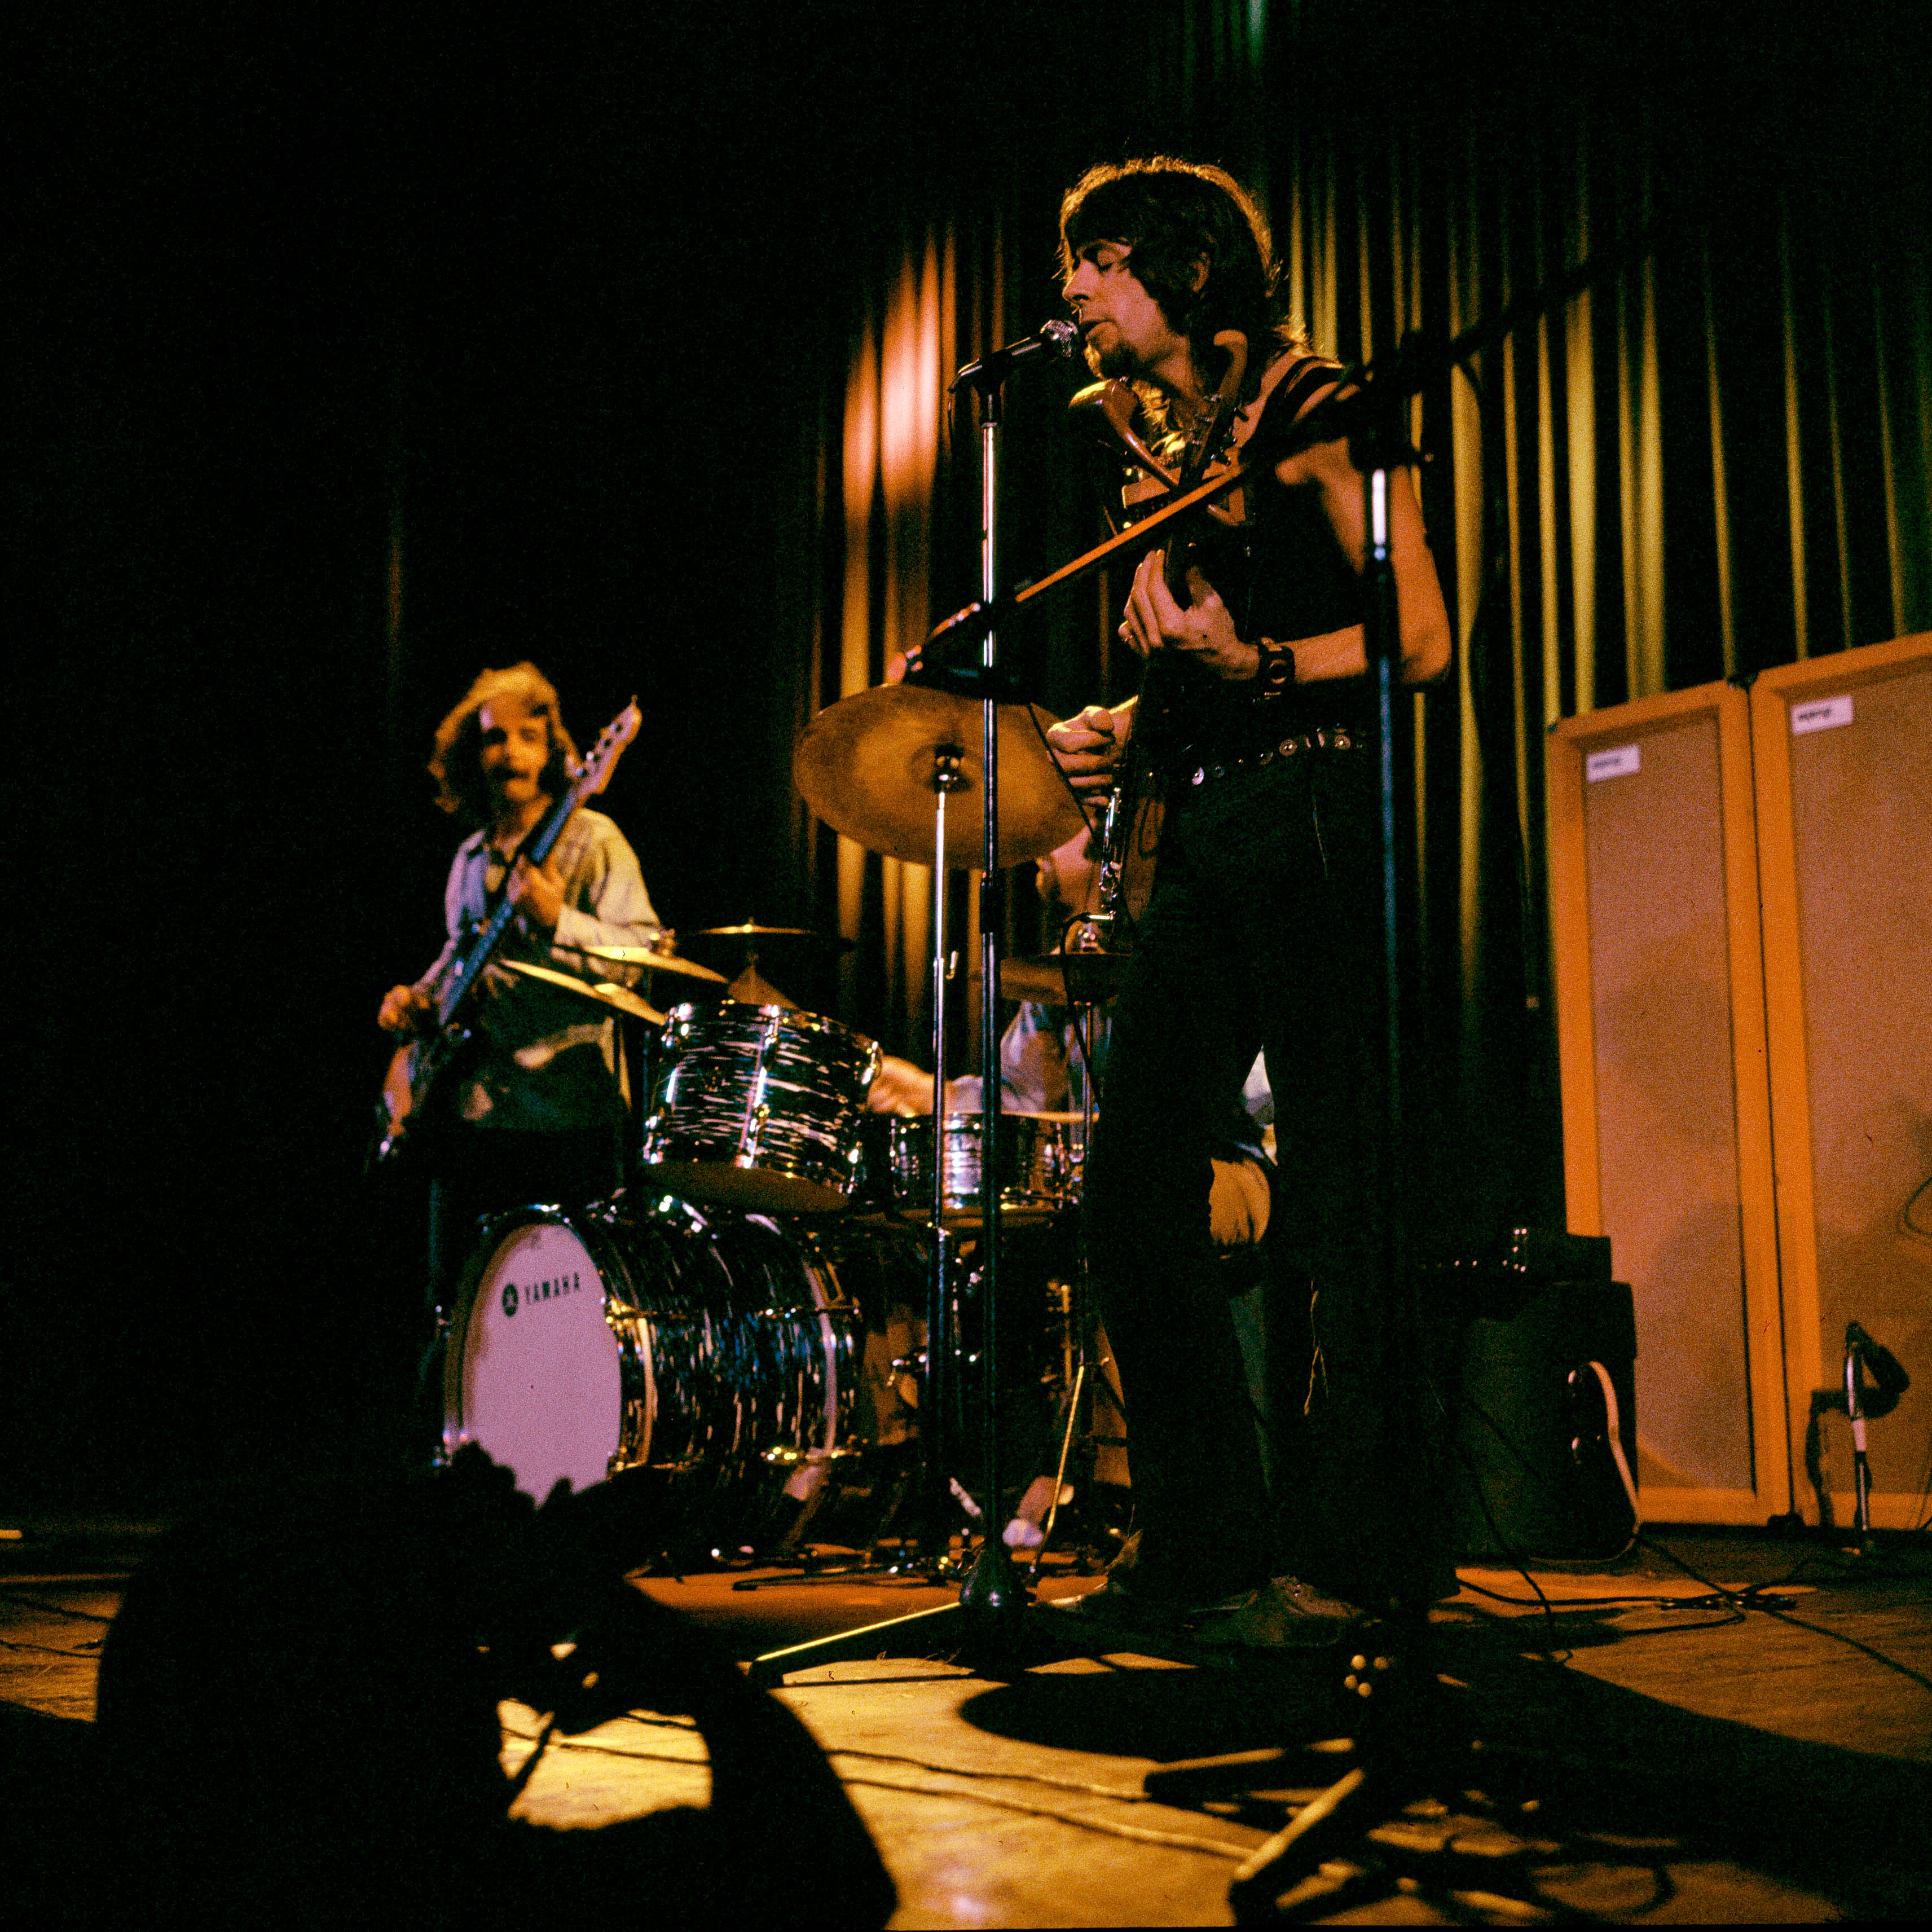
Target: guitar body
417	1069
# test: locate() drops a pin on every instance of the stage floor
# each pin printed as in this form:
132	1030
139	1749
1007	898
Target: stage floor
1674	1760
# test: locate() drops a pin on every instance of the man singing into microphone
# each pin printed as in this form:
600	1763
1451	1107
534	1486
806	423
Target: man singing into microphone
1263	930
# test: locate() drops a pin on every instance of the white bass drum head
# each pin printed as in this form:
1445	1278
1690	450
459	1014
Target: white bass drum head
532	1374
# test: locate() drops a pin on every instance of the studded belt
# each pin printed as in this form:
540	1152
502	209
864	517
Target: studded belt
1327	738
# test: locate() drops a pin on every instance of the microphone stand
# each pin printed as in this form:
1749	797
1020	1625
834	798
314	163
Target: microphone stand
987	1620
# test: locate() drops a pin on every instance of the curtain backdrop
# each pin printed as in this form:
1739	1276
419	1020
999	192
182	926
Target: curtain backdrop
1713	459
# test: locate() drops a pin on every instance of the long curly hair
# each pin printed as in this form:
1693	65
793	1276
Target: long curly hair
457	763
1173	214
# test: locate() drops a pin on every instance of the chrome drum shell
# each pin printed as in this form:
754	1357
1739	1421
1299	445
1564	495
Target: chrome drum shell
758	1107
1040	1166
748	1364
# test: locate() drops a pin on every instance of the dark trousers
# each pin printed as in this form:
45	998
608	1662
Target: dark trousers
1263	932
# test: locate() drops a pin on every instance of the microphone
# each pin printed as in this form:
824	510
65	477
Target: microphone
1060	338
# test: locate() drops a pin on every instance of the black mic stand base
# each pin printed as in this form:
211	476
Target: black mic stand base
994	1626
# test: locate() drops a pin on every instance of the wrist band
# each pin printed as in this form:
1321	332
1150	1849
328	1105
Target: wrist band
1275	677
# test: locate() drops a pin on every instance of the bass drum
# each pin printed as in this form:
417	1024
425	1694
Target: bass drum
756	1368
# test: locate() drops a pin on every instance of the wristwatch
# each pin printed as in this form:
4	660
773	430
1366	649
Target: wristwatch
1275	677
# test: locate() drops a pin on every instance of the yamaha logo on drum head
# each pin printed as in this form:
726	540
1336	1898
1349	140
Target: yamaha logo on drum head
513	1297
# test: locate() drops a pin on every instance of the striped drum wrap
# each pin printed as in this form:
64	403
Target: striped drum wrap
758	1107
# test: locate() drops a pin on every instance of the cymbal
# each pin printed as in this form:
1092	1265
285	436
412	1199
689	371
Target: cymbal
865	765
761	933
1045	978
618	999
752	988
652	960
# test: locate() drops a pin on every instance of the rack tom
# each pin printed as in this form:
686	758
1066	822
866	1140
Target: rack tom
1040	1159
758	1107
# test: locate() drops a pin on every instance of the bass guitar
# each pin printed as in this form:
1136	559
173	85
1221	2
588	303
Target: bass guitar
420	1067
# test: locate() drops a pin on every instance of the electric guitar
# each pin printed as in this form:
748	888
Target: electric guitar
1172	690
421	1066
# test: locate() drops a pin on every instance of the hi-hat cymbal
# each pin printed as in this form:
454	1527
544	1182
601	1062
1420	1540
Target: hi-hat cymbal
1063	979
652	960
617	999
866	766
761	933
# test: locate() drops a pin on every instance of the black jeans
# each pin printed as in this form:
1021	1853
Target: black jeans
1263	932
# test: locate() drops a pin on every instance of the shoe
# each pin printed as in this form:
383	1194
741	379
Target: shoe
1284	1614
1118	1605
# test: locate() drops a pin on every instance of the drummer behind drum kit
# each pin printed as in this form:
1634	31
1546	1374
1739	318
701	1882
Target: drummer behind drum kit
746	1319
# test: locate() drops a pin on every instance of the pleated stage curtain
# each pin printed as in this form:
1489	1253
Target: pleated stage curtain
1716	457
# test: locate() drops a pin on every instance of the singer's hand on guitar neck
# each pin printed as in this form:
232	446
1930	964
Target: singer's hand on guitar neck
1087	748
1202	629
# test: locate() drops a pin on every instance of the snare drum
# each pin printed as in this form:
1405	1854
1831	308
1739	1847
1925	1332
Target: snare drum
1040	1166
758	1107
755	1367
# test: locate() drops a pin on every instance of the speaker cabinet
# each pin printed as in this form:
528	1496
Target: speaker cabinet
1843	747
1741	908
1666	1131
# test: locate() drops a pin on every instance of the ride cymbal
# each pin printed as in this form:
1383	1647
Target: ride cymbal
867	766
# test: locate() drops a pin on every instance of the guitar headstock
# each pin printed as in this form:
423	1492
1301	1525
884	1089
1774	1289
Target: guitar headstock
594	774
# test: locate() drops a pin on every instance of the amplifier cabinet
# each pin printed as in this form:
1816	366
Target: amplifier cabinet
1843	752
1666	1130
1742	920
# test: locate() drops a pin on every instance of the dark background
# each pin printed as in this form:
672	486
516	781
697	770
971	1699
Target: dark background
536	321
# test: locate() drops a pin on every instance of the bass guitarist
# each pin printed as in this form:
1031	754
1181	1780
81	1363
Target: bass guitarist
1262	930
534	1112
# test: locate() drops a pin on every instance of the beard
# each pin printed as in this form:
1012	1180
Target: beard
1115	359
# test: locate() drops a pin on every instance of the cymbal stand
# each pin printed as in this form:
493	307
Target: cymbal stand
936	1396
1080	1314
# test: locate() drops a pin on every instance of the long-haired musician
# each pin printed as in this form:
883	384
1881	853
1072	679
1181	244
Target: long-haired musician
1262	930
535	1114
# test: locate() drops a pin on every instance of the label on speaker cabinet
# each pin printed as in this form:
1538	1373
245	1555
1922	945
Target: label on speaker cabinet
1617	763
1821	714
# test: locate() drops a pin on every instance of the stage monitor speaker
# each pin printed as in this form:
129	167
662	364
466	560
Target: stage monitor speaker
1653	865
1843	748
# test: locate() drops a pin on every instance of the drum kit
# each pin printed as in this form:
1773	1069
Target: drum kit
748	1318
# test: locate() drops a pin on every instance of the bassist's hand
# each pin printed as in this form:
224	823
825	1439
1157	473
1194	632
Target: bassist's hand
537	892
1202	629
405	1009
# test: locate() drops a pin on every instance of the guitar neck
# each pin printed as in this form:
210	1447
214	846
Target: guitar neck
466	969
